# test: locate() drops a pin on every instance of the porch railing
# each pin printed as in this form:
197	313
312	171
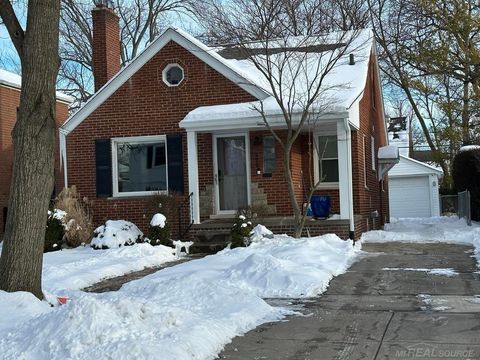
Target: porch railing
183	230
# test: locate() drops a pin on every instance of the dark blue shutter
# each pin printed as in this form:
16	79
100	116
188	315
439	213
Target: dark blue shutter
175	162
103	164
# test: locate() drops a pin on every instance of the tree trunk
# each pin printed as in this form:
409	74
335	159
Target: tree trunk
34	148
291	192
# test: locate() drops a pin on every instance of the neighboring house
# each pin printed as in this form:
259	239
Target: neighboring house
179	117
9	101
413	185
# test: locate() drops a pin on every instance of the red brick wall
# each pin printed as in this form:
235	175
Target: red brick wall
9	101
145	105
299	160
369	196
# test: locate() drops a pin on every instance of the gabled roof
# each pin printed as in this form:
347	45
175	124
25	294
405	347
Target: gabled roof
411	167
188	42
344	83
12	80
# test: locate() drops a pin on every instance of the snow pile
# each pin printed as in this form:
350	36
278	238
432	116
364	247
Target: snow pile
18	307
189	311
116	233
444	229
469	148
74	269
259	232
158	220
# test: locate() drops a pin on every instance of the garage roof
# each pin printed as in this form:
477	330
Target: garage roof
411	167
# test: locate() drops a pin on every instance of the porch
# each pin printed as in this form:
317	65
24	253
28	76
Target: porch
232	169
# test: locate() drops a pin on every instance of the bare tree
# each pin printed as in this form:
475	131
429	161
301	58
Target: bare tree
34	144
430	50
140	24
279	18
294	65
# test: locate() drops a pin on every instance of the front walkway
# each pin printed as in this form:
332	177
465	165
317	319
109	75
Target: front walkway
382	309
115	283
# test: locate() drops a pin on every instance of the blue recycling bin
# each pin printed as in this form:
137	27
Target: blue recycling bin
320	206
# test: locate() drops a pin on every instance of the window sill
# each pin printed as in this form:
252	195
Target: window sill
135	195
328	186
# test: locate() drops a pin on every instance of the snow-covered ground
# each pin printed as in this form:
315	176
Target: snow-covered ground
74	269
189	311
428	230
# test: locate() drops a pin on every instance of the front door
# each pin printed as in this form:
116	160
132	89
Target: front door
231	173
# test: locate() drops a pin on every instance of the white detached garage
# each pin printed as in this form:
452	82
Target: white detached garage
414	189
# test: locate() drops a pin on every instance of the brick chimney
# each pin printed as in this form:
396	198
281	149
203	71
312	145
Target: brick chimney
105	44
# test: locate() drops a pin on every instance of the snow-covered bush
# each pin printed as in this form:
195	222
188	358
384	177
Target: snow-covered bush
78	218
159	231
55	231
240	232
116	233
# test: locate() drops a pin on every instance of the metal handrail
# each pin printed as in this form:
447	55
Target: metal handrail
181	232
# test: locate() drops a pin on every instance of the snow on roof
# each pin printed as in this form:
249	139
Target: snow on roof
342	86
388	152
206	54
13	80
411	167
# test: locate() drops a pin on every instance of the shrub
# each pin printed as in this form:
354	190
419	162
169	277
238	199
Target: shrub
466	172
78	219
54	233
242	228
116	233
159	231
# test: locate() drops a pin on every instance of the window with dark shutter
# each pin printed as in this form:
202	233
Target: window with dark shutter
175	162
103	163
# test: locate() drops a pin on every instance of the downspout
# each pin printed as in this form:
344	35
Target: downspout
348	136
63	155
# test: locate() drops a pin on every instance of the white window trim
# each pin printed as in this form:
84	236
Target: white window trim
164	74
372	141
135	139
316	159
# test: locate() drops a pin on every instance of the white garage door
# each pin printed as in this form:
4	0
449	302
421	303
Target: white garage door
409	197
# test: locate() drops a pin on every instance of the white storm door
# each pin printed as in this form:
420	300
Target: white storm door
231	173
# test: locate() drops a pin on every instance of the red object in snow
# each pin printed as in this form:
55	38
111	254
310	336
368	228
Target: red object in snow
62	300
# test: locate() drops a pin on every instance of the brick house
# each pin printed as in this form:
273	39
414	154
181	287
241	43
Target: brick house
179	118
9	100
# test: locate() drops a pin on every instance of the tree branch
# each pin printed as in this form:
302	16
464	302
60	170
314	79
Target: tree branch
13	25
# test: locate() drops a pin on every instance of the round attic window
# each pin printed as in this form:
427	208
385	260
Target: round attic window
173	74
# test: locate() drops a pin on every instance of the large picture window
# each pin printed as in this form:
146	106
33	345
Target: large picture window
139	165
327	151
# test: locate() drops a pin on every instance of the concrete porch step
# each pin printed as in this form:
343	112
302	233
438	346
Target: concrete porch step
207	247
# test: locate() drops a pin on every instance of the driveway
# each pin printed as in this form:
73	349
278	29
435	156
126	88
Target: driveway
389	305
